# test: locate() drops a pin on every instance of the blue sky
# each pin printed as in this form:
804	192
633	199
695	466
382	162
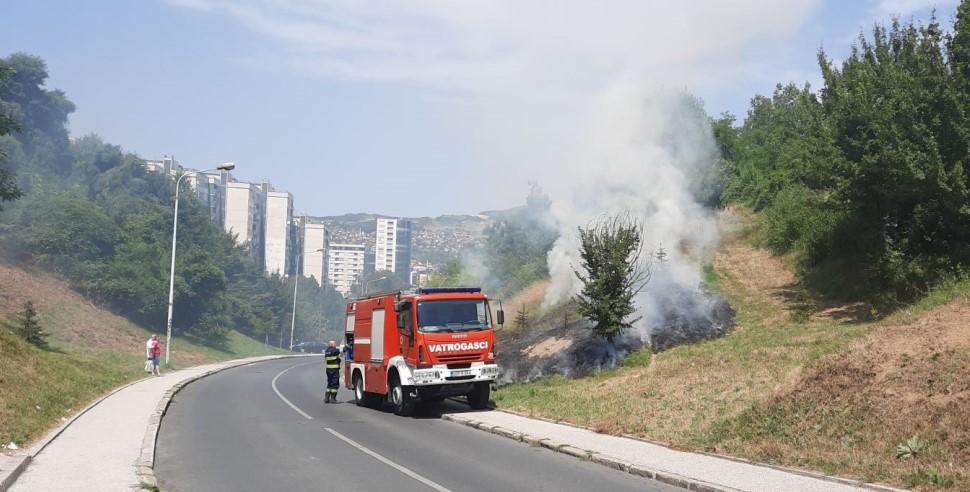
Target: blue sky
417	109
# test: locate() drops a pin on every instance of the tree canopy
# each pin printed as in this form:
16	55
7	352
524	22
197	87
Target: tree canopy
866	179
92	213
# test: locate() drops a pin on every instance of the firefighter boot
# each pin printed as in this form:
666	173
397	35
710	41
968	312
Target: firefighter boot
333	397
327	399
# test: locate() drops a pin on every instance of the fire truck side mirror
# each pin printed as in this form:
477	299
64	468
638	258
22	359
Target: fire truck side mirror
500	317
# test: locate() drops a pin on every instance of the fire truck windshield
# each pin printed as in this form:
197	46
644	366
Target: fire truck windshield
453	315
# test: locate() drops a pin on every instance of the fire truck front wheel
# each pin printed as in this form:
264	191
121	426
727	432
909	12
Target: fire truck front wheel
478	398
400	396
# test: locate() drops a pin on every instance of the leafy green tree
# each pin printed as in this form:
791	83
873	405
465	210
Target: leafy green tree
895	110
41	143
379	281
29	328
452	274
515	247
9	190
611	274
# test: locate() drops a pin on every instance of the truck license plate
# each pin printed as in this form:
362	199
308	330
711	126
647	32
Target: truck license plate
462	372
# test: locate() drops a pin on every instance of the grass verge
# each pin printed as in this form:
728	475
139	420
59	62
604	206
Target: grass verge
801	389
40	387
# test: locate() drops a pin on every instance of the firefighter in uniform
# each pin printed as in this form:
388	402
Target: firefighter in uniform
332	356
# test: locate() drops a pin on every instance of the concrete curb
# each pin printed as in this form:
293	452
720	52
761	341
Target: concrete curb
797	471
145	464
625	466
8	478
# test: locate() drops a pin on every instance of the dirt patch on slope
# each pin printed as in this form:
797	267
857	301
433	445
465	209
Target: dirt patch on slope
547	347
67	315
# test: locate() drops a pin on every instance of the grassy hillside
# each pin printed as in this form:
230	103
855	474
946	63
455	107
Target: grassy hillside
91	351
799	382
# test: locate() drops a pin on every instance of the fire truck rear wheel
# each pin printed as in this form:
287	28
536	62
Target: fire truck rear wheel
361	397
478	398
401	399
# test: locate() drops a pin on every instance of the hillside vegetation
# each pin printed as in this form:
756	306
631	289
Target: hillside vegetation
865	182
91	352
800	381
92	213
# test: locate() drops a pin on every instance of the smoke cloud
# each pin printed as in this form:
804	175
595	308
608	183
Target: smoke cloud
647	153
587	98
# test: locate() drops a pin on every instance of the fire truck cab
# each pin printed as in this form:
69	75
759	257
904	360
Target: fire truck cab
421	346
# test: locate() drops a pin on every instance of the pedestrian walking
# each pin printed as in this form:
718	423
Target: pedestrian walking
153	350
332	357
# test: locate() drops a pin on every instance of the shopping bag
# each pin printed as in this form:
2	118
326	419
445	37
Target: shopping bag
148	366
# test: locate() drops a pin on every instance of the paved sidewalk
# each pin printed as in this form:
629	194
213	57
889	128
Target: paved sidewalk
689	470
98	451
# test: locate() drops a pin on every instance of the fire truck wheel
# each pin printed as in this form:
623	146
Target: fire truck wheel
360	398
478	398
401	399
363	398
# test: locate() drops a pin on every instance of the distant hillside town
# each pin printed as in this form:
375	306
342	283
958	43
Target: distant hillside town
339	249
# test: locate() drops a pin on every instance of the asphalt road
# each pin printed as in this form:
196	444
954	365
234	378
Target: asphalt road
232	432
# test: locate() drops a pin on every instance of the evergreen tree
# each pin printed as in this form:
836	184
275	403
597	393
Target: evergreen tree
522	317
611	274
661	254
29	328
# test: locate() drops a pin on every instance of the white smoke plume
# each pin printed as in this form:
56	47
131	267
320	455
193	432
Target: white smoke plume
648	149
587	98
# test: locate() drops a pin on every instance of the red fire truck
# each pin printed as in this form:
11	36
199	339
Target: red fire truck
426	345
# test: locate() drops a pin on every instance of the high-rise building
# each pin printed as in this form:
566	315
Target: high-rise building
315	252
345	264
210	188
278	246
392	247
166	165
243	216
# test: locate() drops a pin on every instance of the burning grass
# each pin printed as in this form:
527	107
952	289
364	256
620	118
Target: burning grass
834	393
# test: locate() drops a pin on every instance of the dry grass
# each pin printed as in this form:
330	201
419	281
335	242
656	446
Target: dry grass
849	412
829	390
530	298
92	351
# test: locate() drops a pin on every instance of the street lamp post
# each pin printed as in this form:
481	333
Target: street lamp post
171	278
296	284
378	279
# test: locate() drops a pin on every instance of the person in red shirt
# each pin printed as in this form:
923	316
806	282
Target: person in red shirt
154	352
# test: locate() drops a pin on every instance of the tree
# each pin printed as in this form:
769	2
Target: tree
379	281
9	190
612	274
522	317
661	254
29	328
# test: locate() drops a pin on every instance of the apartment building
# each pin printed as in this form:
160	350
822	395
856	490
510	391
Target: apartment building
243	215
277	244
345	264
166	165
392	248
210	189
315	252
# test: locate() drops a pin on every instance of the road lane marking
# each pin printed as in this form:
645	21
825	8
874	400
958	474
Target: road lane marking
288	402
388	462
378	457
